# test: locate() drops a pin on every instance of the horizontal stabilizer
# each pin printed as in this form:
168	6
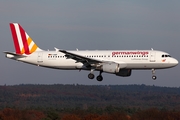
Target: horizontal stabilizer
14	54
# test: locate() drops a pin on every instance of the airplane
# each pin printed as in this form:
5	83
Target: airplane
118	62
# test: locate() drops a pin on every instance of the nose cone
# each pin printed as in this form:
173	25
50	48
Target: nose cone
174	62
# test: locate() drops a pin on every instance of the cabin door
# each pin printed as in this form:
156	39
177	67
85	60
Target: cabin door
40	57
153	56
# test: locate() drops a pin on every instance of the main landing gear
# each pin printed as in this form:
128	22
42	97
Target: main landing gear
98	78
91	76
153	74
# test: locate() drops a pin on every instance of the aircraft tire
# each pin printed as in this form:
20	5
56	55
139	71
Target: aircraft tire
91	76
99	78
154	77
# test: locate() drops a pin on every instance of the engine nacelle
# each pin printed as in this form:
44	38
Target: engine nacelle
124	72
114	68
111	68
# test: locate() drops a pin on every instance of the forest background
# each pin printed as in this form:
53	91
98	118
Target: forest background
58	101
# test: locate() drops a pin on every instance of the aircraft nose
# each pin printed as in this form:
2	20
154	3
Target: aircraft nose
175	62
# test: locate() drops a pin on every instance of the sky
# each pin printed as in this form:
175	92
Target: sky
91	25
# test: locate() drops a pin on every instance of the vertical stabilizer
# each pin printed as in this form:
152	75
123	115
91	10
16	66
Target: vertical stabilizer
22	42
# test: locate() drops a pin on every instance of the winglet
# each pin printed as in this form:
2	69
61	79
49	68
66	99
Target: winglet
57	50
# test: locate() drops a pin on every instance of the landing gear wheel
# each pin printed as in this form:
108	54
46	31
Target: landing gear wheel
154	77
91	76
153	74
99	78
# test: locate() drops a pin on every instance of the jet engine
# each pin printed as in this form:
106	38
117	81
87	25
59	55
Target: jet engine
114	68
111	68
124	72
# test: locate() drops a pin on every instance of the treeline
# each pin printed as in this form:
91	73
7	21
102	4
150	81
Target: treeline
59	96
51	114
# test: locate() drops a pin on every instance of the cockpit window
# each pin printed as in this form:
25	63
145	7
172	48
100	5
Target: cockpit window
166	56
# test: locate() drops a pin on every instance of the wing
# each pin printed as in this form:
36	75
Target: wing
88	62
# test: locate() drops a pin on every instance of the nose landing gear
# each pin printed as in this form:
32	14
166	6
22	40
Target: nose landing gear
153	74
154	77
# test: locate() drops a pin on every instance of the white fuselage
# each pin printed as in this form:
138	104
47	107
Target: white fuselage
129	59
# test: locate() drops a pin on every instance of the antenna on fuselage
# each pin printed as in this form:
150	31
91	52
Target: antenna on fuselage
151	48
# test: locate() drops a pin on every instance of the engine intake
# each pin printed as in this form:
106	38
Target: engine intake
111	68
